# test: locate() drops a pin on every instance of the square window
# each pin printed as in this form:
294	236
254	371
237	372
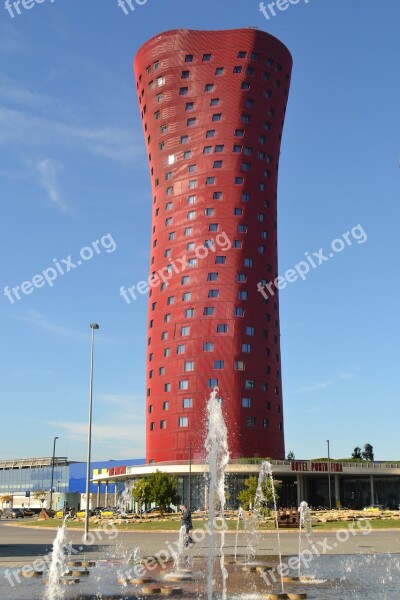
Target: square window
183	91
184	139
220	260
180	349
251	421
250	330
250	384
208	346
206	57
187	231
217	195
208	311
239	180
209	87
214	102
242	295
152	426
248	262
219	70
209	212
239	132
212	276
217	164
242	228
222	328
183	422
245	118
239	311
212	383
237	69
265	423
191	168
185	74
246	402
239	365
187	402
192	184
245	85
189	58
218	364
189	365
185	330
166	405
183	384
210	133
185	280
246	348
190	122
217	117
189	313
242	54
167	387
245	197
237	243
186	296
219	148
210	181
189	106
213	227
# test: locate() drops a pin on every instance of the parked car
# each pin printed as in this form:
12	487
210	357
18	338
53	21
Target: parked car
158	509
28	512
14	513
375	507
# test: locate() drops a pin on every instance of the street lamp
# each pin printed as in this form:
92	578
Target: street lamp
190	475
52	473
93	326
329	477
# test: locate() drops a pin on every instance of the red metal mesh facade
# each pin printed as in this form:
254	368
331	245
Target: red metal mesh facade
213	106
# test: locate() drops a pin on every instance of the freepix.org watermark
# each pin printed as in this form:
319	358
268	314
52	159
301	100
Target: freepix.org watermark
282	5
59	268
314	260
13	576
221	242
317	549
131	5
13	7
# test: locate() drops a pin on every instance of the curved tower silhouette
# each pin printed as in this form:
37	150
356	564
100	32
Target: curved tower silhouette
213	105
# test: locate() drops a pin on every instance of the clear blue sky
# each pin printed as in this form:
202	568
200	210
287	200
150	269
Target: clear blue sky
73	169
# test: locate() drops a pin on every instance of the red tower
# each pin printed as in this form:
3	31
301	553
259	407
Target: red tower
213	105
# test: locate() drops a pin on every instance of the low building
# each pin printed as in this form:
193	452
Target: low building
347	484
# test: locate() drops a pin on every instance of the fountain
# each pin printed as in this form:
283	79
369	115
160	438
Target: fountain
216	446
304	524
241	516
55	582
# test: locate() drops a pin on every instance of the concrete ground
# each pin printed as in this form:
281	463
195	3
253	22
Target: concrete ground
22	545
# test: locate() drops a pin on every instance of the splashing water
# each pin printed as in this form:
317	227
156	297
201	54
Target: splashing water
216	446
125	499
178	554
305	524
241	515
54	588
261	500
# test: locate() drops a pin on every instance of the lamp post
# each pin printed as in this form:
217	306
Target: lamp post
93	326
329	476
190	475
52	473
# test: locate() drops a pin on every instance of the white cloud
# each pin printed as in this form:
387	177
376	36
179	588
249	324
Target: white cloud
47	171
316	387
35	318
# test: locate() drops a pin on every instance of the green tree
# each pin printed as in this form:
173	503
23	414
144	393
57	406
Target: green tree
163	490
141	492
368	452
248	494
357	453
290	455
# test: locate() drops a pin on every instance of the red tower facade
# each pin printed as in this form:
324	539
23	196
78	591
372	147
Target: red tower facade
213	105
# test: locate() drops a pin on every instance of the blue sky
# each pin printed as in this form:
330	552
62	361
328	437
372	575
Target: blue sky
73	170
